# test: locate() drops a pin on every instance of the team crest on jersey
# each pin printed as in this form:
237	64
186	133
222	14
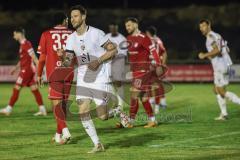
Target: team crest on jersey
83	47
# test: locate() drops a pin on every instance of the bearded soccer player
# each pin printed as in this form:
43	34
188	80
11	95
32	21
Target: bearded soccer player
158	98
92	50
218	54
59	78
140	48
26	77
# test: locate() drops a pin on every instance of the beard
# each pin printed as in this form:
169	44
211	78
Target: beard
77	25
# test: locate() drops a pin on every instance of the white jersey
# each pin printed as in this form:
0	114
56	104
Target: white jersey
118	40
223	61
88	47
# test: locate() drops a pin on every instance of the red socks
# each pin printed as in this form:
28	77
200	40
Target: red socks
14	97
38	97
60	116
148	108
133	108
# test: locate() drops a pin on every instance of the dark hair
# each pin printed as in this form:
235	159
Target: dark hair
205	21
20	30
113	23
132	19
59	17
152	30
80	8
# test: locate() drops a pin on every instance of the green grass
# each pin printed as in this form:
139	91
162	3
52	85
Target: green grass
187	130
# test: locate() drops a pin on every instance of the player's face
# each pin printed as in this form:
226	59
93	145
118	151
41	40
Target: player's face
77	18
16	35
113	29
204	28
130	27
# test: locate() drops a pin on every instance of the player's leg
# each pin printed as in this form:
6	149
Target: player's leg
59	109
221	102
219	84
14	97
38	97
148	109
229	95
88	125
134	105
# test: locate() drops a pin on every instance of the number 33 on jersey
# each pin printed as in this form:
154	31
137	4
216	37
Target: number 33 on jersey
52	40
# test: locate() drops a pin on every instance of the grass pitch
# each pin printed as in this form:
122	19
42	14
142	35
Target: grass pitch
187	130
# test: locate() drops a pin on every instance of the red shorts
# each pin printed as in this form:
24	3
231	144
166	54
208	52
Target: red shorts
142	83
26	78
59	90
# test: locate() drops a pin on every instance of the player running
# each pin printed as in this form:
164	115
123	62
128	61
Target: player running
159	98
218	54
139	49
91	48
26	76
59	86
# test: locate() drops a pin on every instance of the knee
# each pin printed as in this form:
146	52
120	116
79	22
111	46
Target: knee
33	87
144	99
17	87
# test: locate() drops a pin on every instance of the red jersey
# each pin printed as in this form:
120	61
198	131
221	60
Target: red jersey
158	45
139	52
25	52
52	40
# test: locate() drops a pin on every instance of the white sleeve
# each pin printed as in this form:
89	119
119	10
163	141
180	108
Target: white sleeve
215	40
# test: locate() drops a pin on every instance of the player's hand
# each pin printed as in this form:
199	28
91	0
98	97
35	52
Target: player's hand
13	71
40	82
60	52
201	55
159	70
93	65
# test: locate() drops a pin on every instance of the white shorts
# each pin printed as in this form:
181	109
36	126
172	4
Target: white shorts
221	78
118	69
98	92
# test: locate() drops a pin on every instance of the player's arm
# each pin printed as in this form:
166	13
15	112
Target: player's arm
214	52
17	66
164	58
42	59
163	51
34	58
111	51
150	47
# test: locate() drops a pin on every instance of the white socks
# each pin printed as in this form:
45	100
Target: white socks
66	133
152	119
222	105
152	100
57	137
42	109
91	131
232	97
9	108
163	101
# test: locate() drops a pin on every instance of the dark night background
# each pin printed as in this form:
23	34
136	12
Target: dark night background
176	21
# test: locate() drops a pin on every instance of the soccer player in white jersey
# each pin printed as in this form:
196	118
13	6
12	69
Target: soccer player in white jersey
117	65
218	54
91	48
